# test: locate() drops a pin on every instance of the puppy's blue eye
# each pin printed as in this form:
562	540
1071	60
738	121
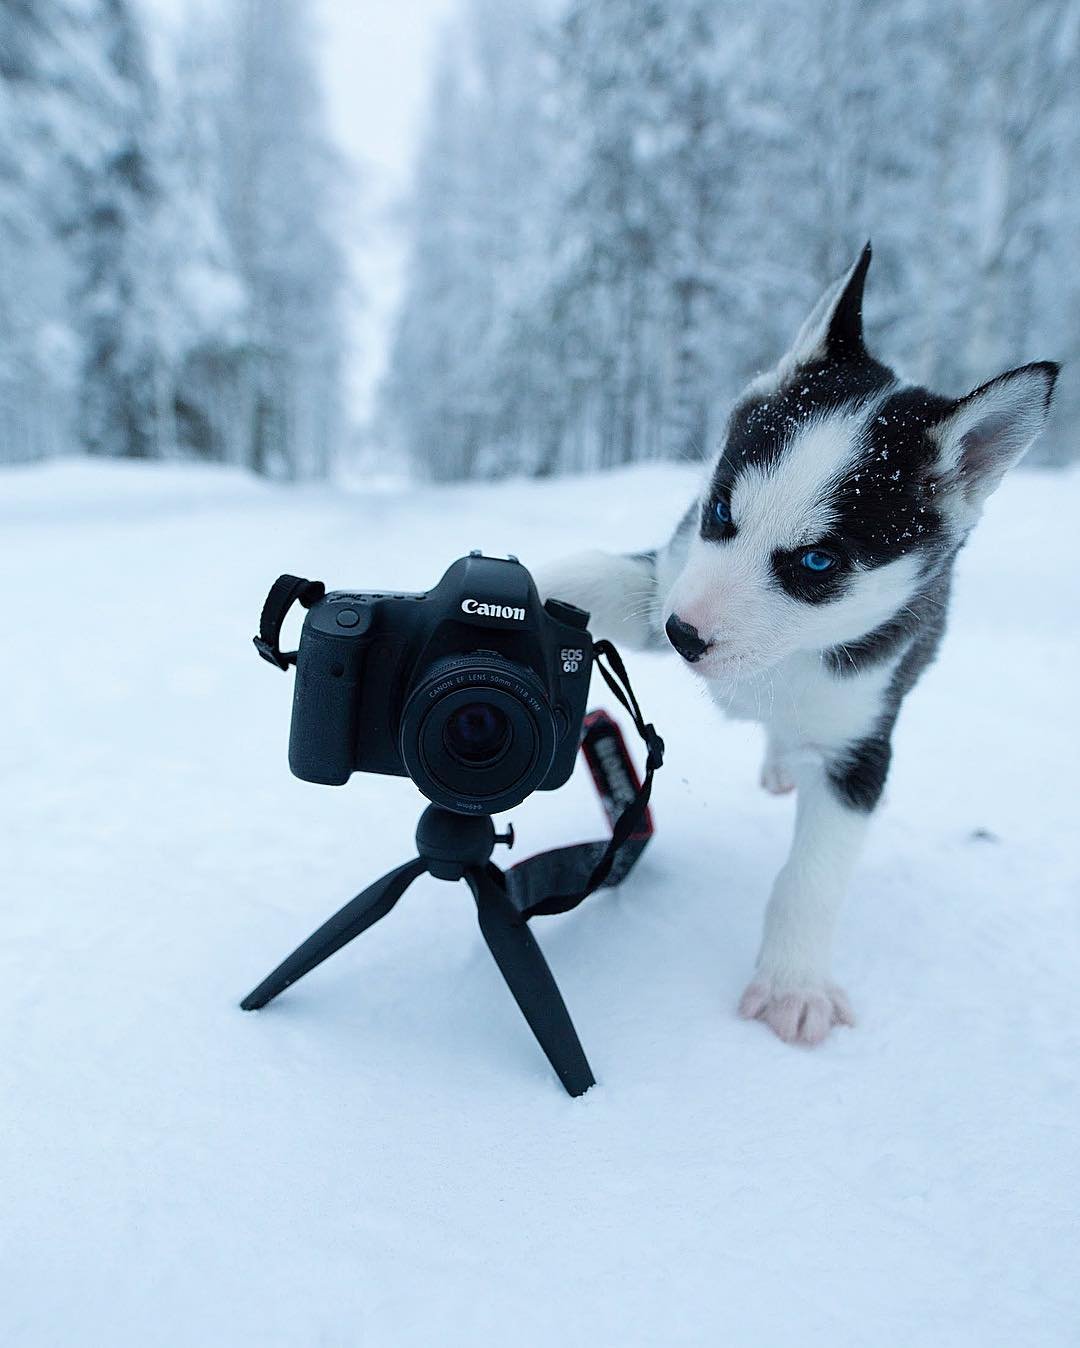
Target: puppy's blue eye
723	512
817	561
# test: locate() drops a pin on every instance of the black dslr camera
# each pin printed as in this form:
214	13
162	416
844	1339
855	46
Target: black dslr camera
474	689
477	692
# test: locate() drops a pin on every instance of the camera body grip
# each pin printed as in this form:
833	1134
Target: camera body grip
326	706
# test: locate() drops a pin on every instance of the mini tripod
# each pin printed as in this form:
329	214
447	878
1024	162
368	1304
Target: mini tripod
457	847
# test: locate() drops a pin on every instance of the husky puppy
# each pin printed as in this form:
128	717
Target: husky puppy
808	586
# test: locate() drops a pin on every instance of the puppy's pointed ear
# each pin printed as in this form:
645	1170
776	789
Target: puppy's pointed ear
991	429
834	328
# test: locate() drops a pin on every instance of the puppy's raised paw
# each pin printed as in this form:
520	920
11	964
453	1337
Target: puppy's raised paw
777	777
802	1015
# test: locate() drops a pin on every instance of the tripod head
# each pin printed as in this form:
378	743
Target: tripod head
450	843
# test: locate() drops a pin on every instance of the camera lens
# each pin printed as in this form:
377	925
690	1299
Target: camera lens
477	733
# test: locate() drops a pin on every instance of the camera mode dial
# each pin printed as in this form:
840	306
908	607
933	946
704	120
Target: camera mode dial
566	613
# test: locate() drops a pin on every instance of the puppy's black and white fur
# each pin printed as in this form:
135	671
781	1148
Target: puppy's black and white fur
808	585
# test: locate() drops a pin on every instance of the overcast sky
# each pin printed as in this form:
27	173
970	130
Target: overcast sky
376	56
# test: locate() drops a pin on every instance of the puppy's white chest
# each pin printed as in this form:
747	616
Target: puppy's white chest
804	704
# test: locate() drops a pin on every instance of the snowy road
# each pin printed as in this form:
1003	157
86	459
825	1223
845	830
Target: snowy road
383	1157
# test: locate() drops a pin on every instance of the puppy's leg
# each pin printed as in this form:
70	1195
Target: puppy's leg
777	768
785	762
791	990
619	592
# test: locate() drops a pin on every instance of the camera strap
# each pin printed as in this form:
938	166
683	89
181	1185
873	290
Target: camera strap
558	880
552	882
284	593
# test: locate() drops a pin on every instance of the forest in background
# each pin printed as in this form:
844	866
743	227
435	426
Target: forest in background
621	210
624	209
171	278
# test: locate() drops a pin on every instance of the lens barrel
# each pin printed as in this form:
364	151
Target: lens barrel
478	733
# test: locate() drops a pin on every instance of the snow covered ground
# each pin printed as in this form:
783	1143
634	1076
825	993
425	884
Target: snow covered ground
383	1157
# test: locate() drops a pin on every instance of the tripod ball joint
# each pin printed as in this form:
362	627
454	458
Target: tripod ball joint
450	843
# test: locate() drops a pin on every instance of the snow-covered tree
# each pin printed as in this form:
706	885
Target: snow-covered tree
124	382
693	172
171	280
454	390
204	293
280	180
53	110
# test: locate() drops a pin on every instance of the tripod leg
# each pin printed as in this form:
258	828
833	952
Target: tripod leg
359	914
521	963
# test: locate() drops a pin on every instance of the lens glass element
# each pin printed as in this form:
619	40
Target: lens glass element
477	734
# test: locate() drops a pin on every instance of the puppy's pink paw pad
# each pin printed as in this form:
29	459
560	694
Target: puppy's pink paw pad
797	1016
776	778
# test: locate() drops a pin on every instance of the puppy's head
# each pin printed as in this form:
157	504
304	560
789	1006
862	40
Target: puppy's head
838	491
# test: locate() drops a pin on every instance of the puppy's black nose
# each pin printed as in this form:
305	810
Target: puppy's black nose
685	639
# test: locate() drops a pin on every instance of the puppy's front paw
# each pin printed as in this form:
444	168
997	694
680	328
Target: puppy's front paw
799	1015
777	777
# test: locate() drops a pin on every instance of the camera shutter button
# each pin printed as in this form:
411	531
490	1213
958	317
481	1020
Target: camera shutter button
347	617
